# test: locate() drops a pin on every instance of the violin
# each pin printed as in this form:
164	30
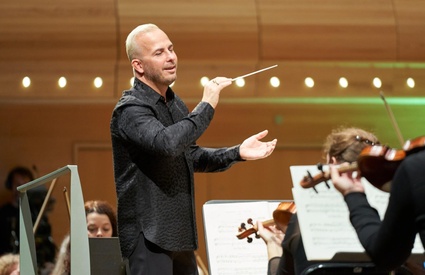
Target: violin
376	163
281	216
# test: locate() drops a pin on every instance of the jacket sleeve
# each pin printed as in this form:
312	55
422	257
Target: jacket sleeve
140	127
214	159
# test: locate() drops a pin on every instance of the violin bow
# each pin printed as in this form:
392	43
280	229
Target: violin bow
43	207
392	118
68	206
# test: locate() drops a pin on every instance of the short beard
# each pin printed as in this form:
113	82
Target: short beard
157	78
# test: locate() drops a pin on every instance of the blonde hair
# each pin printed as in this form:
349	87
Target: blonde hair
346	144
63	258
131	45
8	263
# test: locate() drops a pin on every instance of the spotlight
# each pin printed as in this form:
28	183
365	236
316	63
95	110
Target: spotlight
275	82
343	82
410	82
309	82
240	82
204	80
26	82
377	82
98	82
62	82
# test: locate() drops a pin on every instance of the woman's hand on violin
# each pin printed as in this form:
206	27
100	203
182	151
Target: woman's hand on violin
253	148
346	182
273	238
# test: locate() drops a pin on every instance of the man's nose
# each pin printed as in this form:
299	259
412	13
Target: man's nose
171	55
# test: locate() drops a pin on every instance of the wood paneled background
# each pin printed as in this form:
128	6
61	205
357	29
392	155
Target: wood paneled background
47	127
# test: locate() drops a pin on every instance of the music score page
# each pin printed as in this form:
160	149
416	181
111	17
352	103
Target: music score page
228	255
324	217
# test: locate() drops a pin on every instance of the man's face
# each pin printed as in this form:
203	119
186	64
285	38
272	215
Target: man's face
158	59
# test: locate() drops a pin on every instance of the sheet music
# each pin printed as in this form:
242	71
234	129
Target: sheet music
228	255
324	217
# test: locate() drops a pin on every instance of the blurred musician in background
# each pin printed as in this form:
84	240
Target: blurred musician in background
9	218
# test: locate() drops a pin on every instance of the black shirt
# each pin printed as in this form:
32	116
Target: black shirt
155	155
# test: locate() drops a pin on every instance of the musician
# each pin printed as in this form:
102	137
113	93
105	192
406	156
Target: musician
101	219
101	223
155	155
288	257
388	242
9	218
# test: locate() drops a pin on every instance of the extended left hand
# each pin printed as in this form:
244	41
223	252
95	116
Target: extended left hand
253	148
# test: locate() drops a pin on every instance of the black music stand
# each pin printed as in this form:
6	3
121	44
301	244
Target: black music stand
105	257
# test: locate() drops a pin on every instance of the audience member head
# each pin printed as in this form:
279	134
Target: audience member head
18	176
101	219
345	144
9	264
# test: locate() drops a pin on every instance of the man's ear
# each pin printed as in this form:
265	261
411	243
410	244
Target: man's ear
137	65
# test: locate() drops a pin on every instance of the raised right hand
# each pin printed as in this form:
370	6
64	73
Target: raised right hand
213	88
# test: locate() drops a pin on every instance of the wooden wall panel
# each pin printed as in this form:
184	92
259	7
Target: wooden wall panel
331	30
411	45
61	31
208	30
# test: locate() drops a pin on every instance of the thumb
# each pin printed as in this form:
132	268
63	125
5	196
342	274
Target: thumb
261	135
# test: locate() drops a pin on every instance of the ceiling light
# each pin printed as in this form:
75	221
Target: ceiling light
410	82
98	82
26	82
62	82
204	81
343	82
309	82
275	82
377	82
240	82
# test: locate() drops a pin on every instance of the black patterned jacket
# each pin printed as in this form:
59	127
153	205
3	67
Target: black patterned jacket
155	156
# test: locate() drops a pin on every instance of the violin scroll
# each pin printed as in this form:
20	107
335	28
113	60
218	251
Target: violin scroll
310	181
247	232
281	216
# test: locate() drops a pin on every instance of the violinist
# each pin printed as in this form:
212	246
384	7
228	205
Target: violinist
388	242
288	257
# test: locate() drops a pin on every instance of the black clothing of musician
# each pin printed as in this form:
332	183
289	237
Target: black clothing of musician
389	242
9	228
